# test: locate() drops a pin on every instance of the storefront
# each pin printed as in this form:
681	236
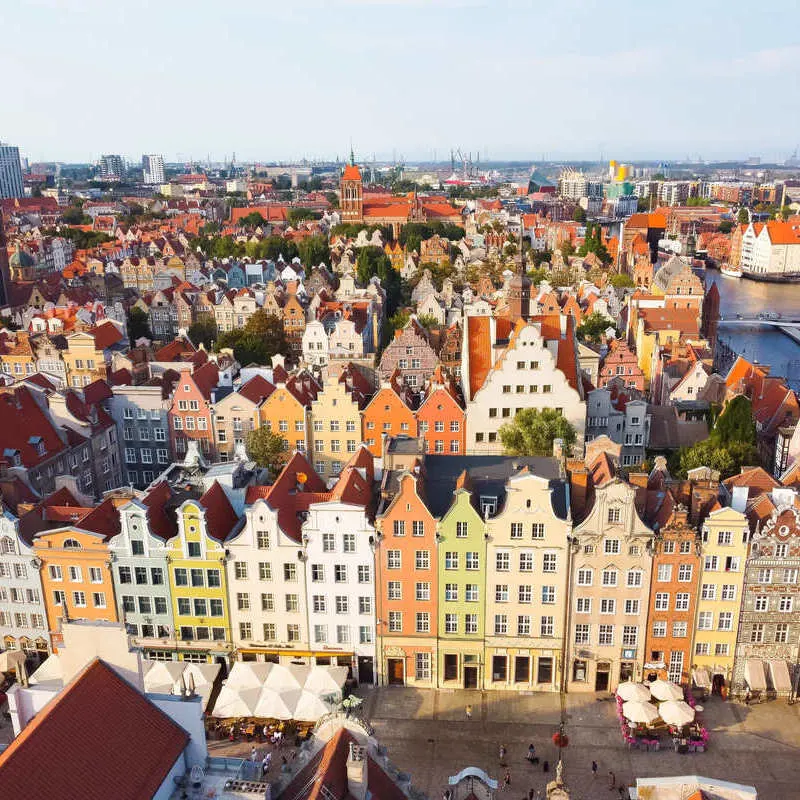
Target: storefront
522	668
409	664
460	667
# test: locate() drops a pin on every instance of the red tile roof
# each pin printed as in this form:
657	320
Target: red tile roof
206	378
175	349
162	523
256	389
103	520
30	423
105	335
99	738
351	173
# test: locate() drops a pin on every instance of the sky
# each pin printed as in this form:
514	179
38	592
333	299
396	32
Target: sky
570	79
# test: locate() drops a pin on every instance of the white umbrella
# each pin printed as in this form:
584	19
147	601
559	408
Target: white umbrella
163	677
633	691
310	707
286	676
249	674
277	705
236	702
676	712
666	690
326	680
636	711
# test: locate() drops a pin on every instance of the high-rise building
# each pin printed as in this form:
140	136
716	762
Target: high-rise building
10	172
111	167
4	268
153	169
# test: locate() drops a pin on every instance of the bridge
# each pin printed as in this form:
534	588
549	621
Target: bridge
789	327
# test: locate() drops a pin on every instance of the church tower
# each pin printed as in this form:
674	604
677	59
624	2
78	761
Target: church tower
519	289
351	201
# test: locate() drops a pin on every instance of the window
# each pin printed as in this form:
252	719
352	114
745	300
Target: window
267	601
585	576
451	592
662	601
340	573
608	605
348	543
546	626
319	603
708	591
79	599
757	633
682	601
423	622
764	576
501	593
725	537
605	637
781	633
320	634
614	514
240	570
59	597
290	572
181	576
328	543
264	571
193	549
75	574
450	560
197	577
471	592
526	562
293	633
659	629
725	622
705	620
679	630
729	591
702	649
364	605
55	573
633	578
364	574
785	604
317	573
611	546
395	591
664	574
500	624
548	595
523	625
669	547
461	530
99	600
685	573
365	634
395	621
516	530
422	591
422	559
630	635
292	602
393	559
549	562
451	623
215	605
582	634
790	576
609	577
711	563
537	530
342	634
399	527
269	631
583	605
731	564
144	605
503	562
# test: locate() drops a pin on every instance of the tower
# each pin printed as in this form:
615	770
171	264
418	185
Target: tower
351	200
519	289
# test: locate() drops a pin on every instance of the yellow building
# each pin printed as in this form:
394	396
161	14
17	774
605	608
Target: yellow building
88	354
725	533
17	358
199	590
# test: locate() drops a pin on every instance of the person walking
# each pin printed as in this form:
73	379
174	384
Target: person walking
468	711
531	753
594	769
253	755
546	766
507	779
612	780
502	755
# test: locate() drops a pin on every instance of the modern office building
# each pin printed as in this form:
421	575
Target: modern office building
153	169
111	167
10	172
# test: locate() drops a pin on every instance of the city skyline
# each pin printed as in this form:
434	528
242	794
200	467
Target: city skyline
304	82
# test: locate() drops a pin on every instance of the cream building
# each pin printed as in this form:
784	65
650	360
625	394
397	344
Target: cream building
725	534
335	425
610	590
526	586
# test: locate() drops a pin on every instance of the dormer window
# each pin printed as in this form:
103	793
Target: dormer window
38	444
72	544
488	505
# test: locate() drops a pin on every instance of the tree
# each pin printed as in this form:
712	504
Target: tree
621	280
260	339
314	250
537	275
593	243
532	432
698	201
252	220
398	320
204	332
74	216
333	199
567	249
579	214
266	449
735	424
138	325
428	321
593	327
372	261
296	215
725	226
743	217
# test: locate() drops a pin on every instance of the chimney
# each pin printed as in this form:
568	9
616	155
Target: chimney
357	771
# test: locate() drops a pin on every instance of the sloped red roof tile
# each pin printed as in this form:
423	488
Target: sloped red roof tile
256	389
220	516
105	335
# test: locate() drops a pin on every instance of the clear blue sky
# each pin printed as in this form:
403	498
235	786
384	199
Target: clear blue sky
564	79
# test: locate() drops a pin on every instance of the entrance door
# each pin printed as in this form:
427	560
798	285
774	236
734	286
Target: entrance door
626	671
522	669
470	677
601	677
366	670
396	676
451	666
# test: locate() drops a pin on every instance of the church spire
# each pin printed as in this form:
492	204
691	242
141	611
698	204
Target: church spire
352	155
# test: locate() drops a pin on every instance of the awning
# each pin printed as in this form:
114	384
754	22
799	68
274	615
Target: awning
779	675
754	675
701	678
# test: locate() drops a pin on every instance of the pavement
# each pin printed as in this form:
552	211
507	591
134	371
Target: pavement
427	734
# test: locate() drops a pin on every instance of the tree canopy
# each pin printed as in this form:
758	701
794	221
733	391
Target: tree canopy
415	232
266	449
621	280
532	431
743	217
260	339
593	243
296	215
204	332
138	325
74	216
314	250
579	214
593	327
372	261
252	220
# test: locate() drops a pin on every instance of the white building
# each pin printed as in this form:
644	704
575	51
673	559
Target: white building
315	344
771	249
153	169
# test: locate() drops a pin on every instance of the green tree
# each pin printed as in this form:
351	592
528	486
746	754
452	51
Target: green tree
428	321
314	250
296	215
593	243
566	249
138	325
579	215
725	226
698	201
373	261
593	327
333	199
399	320
537	275
260	339
735	424
621	280
252	220
532	432
204	332
743	217
74	216
266	449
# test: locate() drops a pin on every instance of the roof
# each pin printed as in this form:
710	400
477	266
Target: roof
98	738
351	173
256	389
103	520
206	378
220	517
161	523
105	335
683	320
30	424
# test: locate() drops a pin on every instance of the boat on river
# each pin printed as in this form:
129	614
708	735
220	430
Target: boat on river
729	271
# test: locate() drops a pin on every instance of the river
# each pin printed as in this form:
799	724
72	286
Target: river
762	343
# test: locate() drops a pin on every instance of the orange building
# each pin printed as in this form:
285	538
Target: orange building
673	594
389	413
407	586
76	569
441	419
285	411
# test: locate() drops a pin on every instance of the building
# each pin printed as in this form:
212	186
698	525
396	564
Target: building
620	362
609	590
441	420
526	575
407	586
622	418
11	184
153	169
771	251
112	167
190	415
236	416
88	354
411	355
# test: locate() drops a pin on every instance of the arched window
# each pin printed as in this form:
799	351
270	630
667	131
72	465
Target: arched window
72	544
6	545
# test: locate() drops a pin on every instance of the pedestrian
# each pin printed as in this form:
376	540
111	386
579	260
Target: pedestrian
622	791
546	766
253	755
265	765
612	780
531	753
468	710
507	778
594	769
530	794
502	755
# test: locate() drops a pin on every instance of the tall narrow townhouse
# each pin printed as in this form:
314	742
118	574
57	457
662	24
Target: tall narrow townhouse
265	572
769	626
441	420
533	364
339	545
190	416
236	416
725	535
673	590
285	411
526	583
455	501
140	568
75	564
23	617
389	413
407	586
609	587
197	580
335	418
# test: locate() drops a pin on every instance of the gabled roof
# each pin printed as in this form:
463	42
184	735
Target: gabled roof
256	389
107	738
31	423
103	520
105	335
162	523
206	378
220	517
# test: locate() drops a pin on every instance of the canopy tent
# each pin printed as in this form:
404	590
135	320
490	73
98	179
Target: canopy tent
636	711
163	677
287	676
779	675
310	707
326	681
754	675
701	678
676	712
666	690
249	674
633	691
236	702
277	705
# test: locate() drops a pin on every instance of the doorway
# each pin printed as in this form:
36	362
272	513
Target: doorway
396	672
450	666
522	669
625	671
601	678
717	684
366	669
470	677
